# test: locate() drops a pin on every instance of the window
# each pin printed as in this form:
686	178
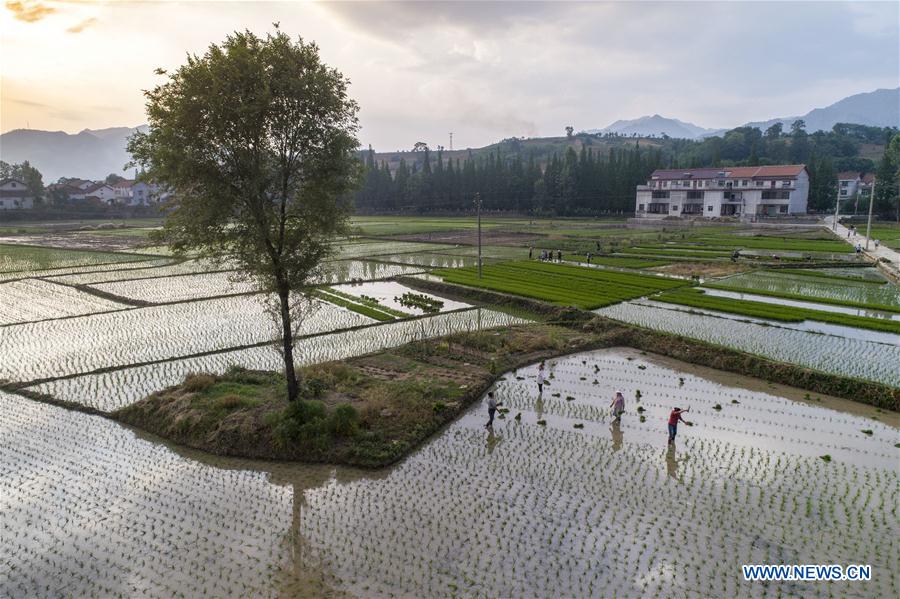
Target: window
695	195
785	183
640	207
675	208
843	192
845	183
782	209
660	195
665	183
709	208
759	183
686	183
745	183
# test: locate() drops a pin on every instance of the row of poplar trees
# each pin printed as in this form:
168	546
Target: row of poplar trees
576	183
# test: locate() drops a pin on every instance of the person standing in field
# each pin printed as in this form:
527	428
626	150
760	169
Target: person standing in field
618	406
492	409
876	244
540	379
530	252
674	418
559	255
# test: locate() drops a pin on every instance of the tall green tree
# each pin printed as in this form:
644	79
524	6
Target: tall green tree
256	140
887	181
27	174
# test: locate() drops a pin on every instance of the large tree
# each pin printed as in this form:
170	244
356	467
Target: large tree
256	141
25	173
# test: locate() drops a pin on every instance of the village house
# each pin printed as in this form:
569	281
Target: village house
123	191
14	195
740	191
101	191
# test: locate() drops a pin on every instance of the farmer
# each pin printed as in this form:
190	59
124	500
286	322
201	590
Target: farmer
735	255
876	244
618	406
674	419
559	255
530	251
589	257
492	409
858	248
540	378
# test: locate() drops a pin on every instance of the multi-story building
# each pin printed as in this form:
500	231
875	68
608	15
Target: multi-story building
848	184
738	191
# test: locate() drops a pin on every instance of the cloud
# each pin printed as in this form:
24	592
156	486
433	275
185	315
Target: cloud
29	11
81	26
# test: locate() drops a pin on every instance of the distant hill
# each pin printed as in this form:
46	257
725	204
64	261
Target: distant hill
655	125
880	108
90	154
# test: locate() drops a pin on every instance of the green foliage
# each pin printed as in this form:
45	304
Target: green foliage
344	421
25	173
255	139
798	296
583	287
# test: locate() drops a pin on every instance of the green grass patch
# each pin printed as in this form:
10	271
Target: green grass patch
563	284
356	305
804	298
695	298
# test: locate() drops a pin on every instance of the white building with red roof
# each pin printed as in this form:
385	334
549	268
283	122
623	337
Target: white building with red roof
736	191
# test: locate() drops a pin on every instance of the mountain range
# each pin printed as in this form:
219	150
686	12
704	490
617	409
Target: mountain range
880	108
93	154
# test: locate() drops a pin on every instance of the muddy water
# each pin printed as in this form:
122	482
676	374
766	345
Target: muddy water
88	507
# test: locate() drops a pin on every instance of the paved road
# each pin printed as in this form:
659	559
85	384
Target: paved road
882	251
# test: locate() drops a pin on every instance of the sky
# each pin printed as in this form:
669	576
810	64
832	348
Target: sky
482	70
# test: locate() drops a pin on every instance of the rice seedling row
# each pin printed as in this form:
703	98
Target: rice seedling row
89	509
882	297
110	391
26	258
559	283
606	510
826	276
180	288
98	268
378	248
616	261
58	348
825	353
397	297
697	298
187	267
33	299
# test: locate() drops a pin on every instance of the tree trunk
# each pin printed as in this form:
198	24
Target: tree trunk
293	389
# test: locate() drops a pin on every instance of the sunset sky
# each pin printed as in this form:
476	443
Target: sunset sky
482	70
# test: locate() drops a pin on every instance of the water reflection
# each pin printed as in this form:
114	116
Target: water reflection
617	436
672	462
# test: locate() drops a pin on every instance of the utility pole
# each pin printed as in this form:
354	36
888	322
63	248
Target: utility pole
478	212
871	205
837	208
451	141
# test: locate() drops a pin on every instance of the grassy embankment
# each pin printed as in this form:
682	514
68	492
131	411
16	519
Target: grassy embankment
695	298
367	411
567	285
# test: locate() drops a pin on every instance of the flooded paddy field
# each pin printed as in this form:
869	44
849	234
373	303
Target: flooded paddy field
558	501
861	292
846	356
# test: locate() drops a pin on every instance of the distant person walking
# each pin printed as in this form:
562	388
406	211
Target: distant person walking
540	379
877	243
589	255
559	255
492	409
674	418
858	248
530	252
618	406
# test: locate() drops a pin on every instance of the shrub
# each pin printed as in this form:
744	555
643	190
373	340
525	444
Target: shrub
231	401
195	383
344	421
315	387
